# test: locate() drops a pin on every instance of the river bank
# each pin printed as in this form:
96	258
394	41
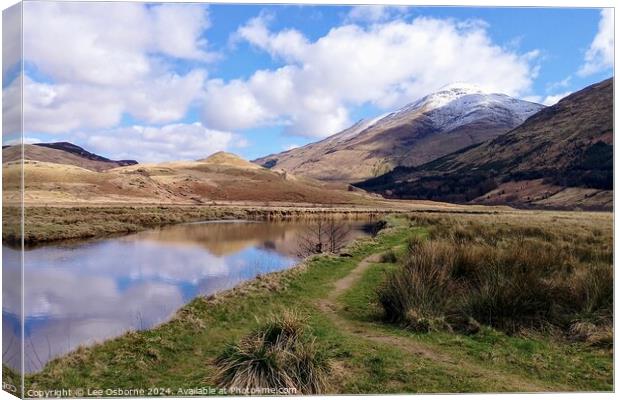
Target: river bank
49	224
367	355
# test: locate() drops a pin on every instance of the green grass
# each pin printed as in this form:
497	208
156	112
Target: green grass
572	366
12	381
182	352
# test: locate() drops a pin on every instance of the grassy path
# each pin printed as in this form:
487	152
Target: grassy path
333	308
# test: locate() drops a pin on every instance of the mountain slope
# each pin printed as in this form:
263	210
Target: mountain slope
222	177
560	157
455	117
62	153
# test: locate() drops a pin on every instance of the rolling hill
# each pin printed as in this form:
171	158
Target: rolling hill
561	157
62	153
221	177
453	118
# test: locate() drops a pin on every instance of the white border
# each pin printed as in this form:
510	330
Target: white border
480	3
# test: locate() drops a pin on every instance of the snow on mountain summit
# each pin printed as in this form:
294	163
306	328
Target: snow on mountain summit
461	103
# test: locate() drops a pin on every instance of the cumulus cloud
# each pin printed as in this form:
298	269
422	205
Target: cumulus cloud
11	110
384	64
97	62
63	107
289	43
600	54
155	144
111	43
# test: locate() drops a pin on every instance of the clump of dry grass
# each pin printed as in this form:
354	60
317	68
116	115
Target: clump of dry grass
417	294
510	274
389	257
280	354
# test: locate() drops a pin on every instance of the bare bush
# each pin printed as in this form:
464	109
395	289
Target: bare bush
323	236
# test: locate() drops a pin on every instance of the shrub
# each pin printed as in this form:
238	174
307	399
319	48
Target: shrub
508	276
280	354
418	293
389	257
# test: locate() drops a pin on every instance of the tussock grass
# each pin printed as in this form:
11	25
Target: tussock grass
280	354
389	256
513	276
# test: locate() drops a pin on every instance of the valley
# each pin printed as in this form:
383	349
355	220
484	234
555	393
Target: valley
332	239
337	300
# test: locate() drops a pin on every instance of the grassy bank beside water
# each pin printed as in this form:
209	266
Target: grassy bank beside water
46	224
339	298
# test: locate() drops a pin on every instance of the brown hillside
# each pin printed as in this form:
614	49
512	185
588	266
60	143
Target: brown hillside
43	153
561	157
439	124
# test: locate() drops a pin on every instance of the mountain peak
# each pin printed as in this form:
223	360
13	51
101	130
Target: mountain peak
456	116
461	87
456	102
449	93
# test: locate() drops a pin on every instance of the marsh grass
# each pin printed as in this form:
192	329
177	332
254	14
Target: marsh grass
46	224
511	276
280	354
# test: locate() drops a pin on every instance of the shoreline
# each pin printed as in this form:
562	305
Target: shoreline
262	284
46	225
49	224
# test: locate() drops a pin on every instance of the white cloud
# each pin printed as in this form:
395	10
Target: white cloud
63	107
552	99
11	110
564	83
600	54
101	61
290	146
232	106
289	43
164	98
155	144
385	64
177	30
110	43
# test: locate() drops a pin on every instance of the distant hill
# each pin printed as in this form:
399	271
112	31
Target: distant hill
453	118
561	157
62	153
58	176
223	158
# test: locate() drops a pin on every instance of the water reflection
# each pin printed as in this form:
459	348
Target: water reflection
83	293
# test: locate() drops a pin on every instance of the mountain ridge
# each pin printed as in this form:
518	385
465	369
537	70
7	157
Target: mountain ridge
62	153
428	128
560	157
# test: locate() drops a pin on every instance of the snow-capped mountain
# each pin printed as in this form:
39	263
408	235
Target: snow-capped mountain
561	157
459	104
454	117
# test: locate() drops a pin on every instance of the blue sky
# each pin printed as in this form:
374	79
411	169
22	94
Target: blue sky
162	82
